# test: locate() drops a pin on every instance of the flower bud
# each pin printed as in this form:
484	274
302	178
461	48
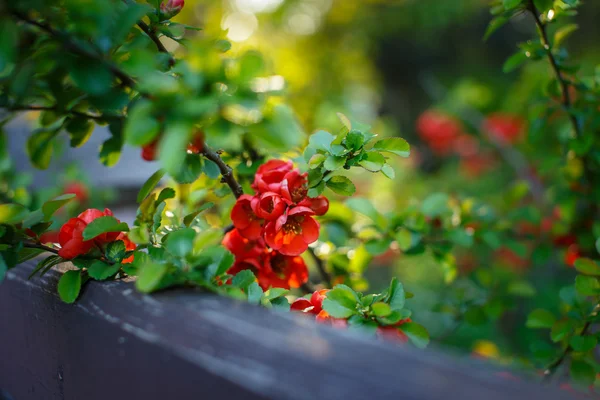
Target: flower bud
170	8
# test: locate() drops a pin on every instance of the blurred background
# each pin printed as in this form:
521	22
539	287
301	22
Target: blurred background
418	69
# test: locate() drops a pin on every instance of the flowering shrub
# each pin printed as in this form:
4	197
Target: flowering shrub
257	210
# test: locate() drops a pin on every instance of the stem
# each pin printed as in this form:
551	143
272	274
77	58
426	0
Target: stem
564	84
40	246
321	267
551	369
75	48
55	108
152	35
226	171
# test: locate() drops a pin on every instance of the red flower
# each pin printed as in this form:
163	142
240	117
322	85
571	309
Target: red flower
324	318
282	271
49	237
241	247
245	220
504	127
393	332
70	236
320	204
294	186
268	206
79	190
291	233
197	144
572	255
314	305
439	131
269	176
149	151
129	246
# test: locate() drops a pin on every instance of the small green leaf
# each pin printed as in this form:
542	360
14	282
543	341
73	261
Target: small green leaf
149	185
69	286
336	309
388	171
373	161
3	268
514	62
583	344
396	295
141	127
12	213
254	293
102	225
564	32
582	372
560	330
91	76
435	205
381	309
51	206
316	160
165	194
510	4
341	185
417	334
40	147
180	242
100	270
397	146
150	276
587	266
540	318
345	121
354	140
321	140
333	163
115	251
188	219
587	285
243	279
495	24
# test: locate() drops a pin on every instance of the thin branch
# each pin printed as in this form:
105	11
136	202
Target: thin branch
321	267
75	48
152	35
31	245
226	171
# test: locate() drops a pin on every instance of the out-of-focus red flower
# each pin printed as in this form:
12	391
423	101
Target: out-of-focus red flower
572	255
269	176
49	237
393	332
241	247
466	145
291	233
320	204
504	127
475	165
294	186
268	206
439	131
171	8
565	240
70	236
79	190
149	151
245	220
324	318
196	146
511	259
282	271
314	305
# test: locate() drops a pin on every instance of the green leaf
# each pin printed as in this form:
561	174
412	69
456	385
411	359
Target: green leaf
417	334
165	194
495	24
102	225
521	288
583	344
365	207
334	162
354	140
172	150
321	140
243	279
190	170
587	285
381	309
91	76
316	160
51	206
397	146
582	372
345	121
341	302
149	185
80	130
150	276
274	293
188	219
543	5
40	148
115	251
540	318
510	4
100	270
396	295
336	309
12	213
3	268
180	242
514	62
341	185
435	205
254	293
587	266
563	33
141	127
560	330
373	161
388	171
45	265
69	286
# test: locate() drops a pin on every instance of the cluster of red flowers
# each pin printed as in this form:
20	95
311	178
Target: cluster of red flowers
71	240
314	306
150	150
445	135
275	226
